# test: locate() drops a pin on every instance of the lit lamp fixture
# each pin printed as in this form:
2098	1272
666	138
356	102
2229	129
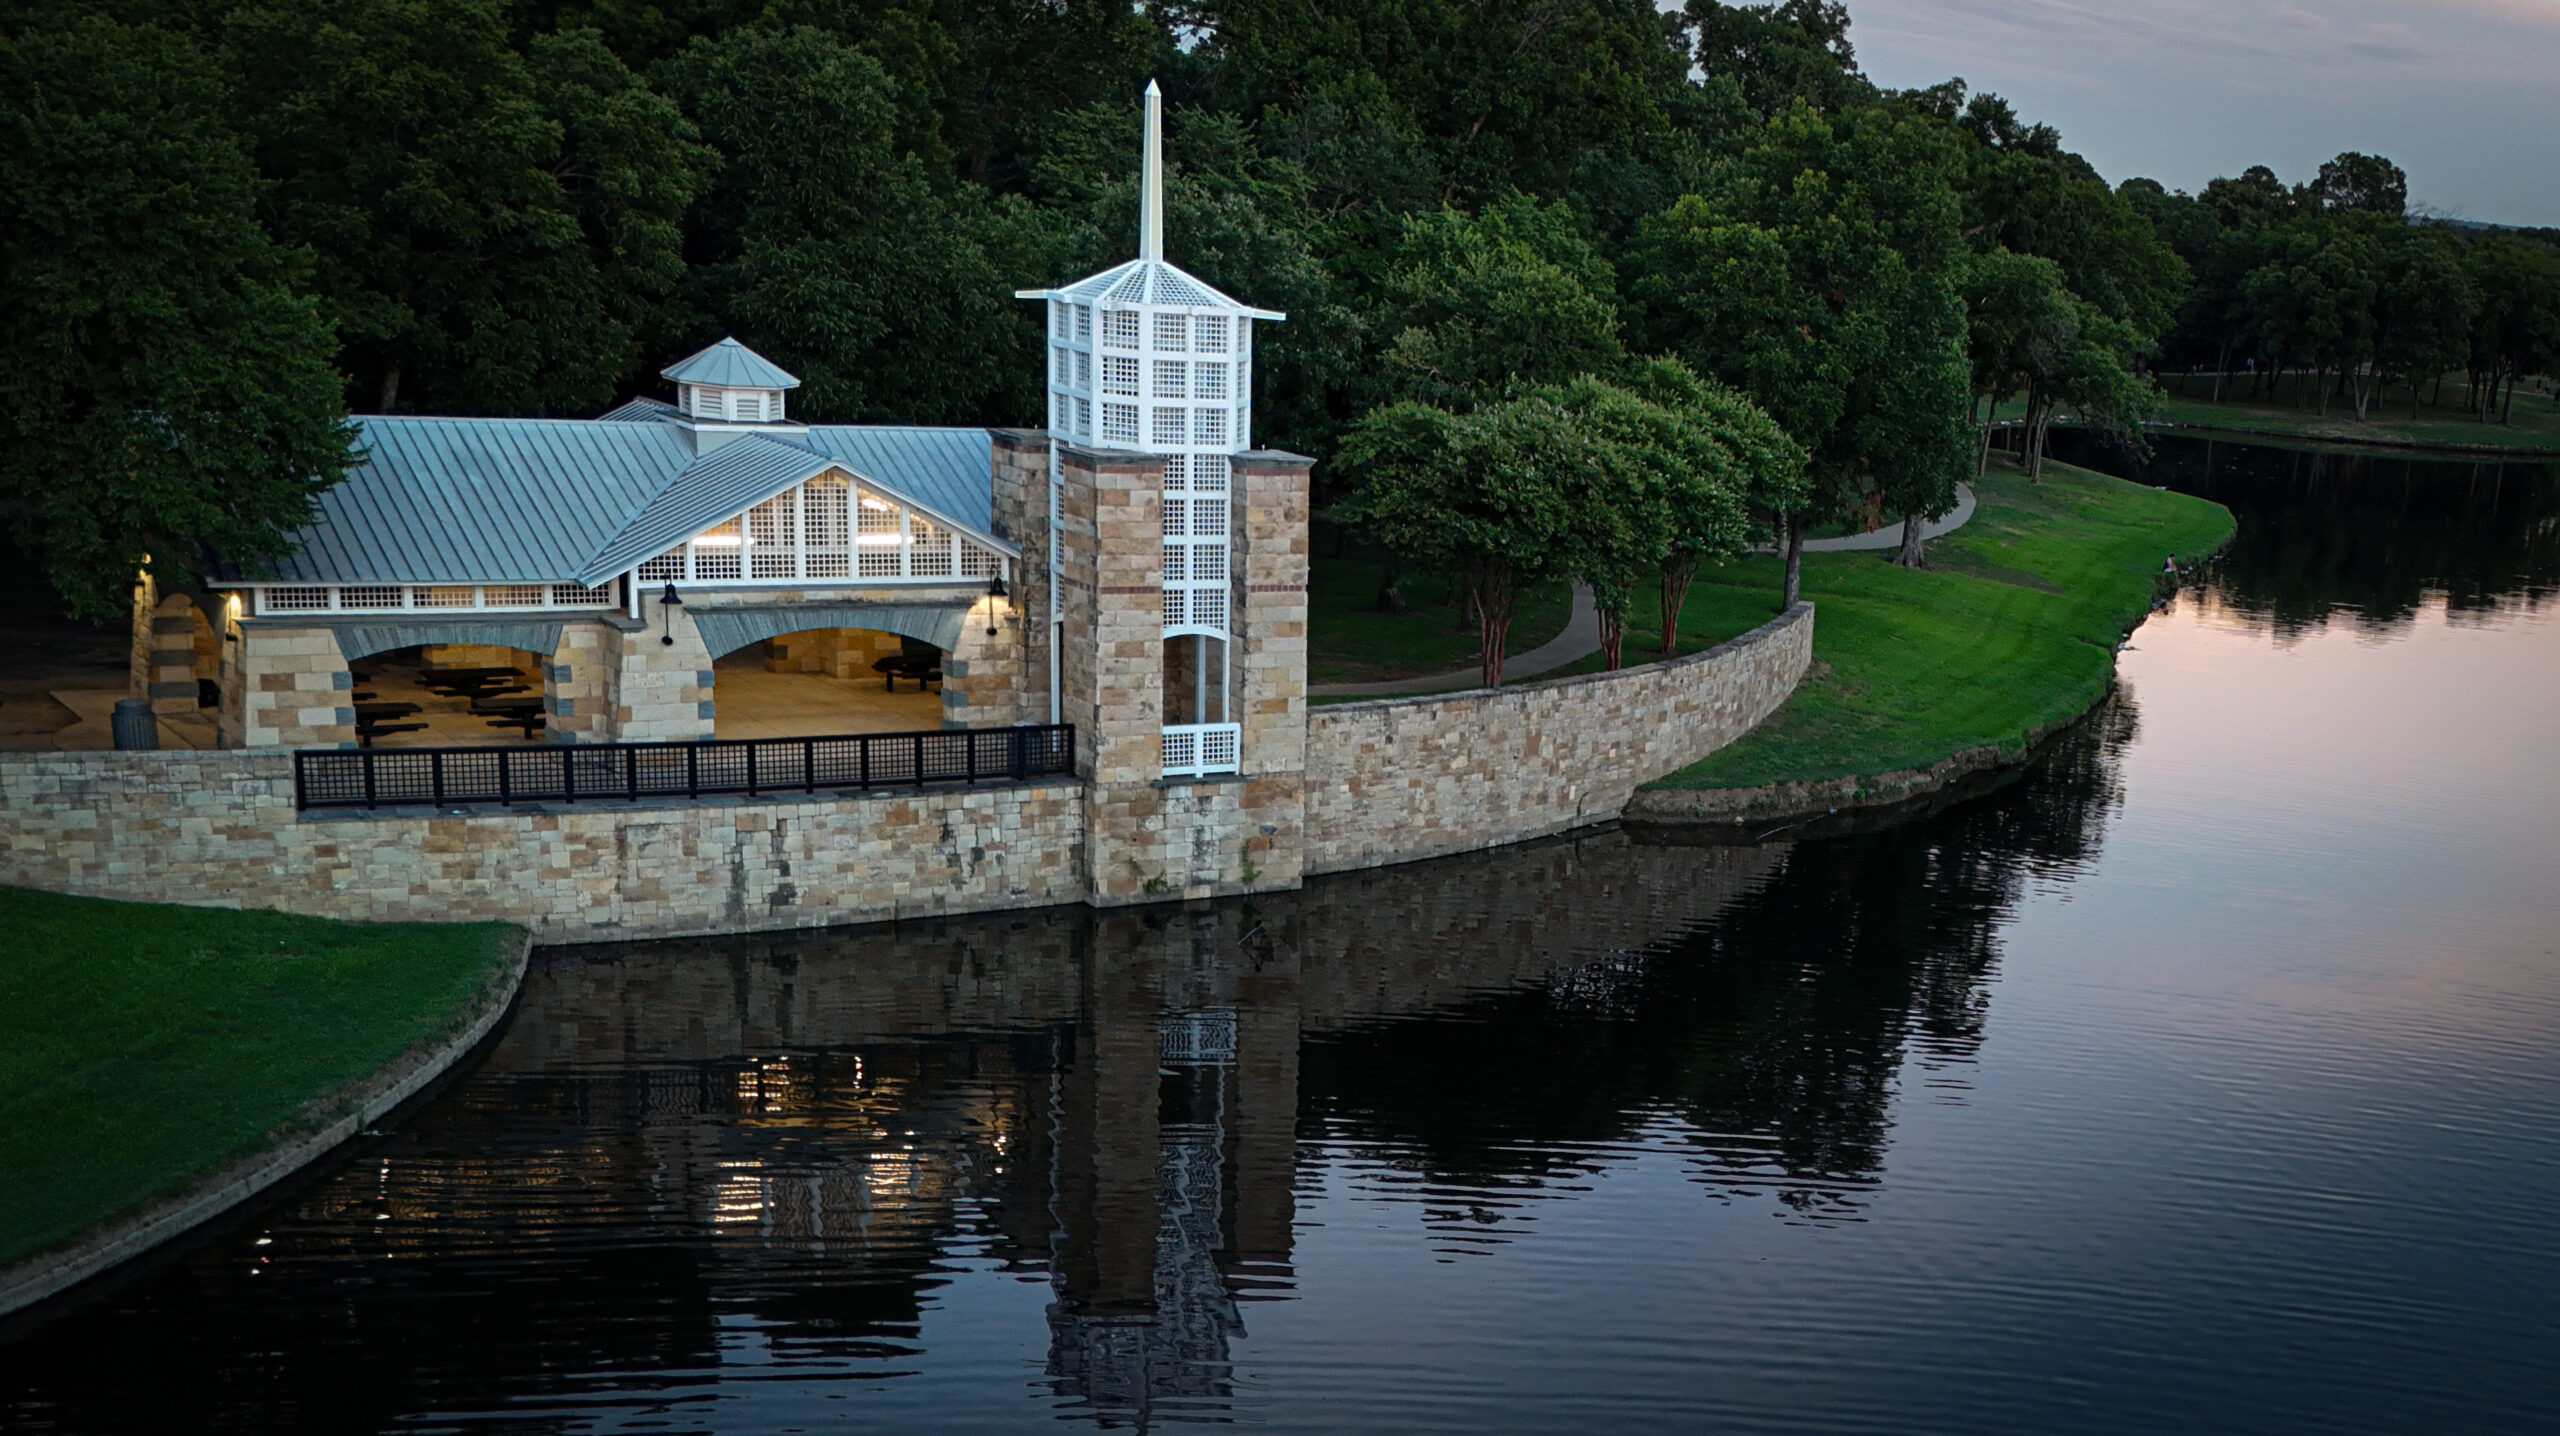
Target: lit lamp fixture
995	595
668	603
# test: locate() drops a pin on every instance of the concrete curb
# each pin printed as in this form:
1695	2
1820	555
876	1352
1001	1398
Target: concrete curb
340	1115
1795	801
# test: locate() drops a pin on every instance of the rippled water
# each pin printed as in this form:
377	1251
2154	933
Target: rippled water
2203	1078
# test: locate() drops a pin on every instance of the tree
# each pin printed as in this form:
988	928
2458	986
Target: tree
2010	300
1734	463
823	244
491	228
1497	495
1819	278
1475	304
2516	330
1777	55
2080	358
164	382
2424	310
2367	184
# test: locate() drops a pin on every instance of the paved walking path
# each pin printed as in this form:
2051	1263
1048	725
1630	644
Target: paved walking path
1581	636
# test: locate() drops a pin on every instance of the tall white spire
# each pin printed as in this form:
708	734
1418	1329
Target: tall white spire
1151	203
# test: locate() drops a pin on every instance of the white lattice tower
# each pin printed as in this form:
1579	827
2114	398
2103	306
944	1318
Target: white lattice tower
1144	358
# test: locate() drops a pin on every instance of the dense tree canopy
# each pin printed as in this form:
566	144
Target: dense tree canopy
1472	206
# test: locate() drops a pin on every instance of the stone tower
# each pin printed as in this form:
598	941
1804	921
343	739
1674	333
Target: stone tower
1179	556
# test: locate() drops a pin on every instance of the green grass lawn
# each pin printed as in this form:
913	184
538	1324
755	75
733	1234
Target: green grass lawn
1349	641
2012	629
141	1045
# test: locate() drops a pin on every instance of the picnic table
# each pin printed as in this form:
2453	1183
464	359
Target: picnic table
375	719
907	665
525	713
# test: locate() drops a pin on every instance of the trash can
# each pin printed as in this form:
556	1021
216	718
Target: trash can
137	727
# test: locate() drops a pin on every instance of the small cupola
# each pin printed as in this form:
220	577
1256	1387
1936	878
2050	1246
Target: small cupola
730	383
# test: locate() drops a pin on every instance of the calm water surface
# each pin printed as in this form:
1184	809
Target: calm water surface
2203	1079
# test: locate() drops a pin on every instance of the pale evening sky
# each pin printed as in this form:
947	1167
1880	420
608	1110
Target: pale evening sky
2463	94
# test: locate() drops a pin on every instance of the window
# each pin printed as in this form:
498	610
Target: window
1084	371
665	568
515	595
1244	336
1057	318
717	552
1209	610
1210	332
826	523
1208	518
749	407
1120	423
1173	333
1084	415
451	595
707	403
1208	426
1173	556
370	596
1209	473
1208	563
1195	680
931	555
1173	472
1119	376
976	562
773	536
1170	378
1120	328
293	600
1170	425
1065	366
1175	608
1084	324
573	595
1209	381
1174	512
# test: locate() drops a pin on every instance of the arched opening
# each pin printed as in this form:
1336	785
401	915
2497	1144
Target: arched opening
813	682
444	695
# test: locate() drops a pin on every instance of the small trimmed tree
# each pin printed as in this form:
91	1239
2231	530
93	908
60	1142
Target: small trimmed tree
1495	495
1735	473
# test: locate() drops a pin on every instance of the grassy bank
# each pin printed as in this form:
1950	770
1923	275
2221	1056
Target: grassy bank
2535	428
2012	629
142	1045
1349	641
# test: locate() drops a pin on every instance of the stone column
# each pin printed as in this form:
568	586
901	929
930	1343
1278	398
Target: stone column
582	683
1111	663
294	689
170	681
1269	658
662	692
1020	486
982	674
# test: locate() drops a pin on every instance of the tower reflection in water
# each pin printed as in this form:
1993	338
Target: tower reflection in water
690	1168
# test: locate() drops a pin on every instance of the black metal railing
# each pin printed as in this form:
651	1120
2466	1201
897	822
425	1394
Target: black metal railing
629	772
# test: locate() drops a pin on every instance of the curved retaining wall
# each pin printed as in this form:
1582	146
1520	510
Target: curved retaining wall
1405	778
322	1126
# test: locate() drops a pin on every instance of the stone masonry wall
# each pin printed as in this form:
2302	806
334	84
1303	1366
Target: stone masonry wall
1401	779
218	828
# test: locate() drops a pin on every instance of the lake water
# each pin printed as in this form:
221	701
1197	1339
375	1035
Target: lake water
2204	1078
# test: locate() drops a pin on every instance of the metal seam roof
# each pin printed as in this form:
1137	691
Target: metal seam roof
542	500
732	365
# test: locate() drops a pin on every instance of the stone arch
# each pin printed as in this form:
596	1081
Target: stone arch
725	629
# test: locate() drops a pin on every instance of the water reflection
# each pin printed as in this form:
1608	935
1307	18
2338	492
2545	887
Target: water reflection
2370	535
814	1137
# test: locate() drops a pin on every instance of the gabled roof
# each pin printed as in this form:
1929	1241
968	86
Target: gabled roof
1147	281
538	500
639	411
731	365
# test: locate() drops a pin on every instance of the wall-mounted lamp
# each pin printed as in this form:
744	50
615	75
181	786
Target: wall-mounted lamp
995	595
668	603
